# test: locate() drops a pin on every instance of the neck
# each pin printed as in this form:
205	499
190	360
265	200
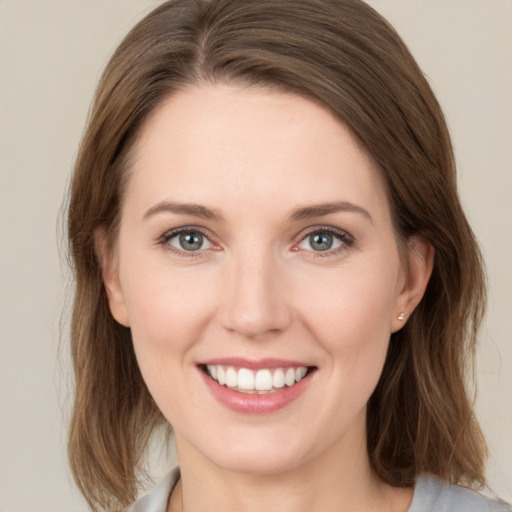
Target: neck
340	479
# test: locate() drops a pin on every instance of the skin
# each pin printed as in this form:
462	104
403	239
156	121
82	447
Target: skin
257	288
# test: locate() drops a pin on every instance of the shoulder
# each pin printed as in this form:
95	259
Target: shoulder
433	494
157	499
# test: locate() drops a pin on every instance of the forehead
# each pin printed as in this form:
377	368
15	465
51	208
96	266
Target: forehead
245	146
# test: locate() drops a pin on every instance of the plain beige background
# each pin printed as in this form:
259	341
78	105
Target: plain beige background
51	55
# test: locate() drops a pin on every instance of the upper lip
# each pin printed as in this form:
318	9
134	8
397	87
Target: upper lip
254	364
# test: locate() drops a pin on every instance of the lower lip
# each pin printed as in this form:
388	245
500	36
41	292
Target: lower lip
247	403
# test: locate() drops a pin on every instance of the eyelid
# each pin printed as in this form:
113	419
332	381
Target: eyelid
172	233
346	238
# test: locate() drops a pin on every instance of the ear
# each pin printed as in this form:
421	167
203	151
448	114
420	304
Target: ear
418	265
109	264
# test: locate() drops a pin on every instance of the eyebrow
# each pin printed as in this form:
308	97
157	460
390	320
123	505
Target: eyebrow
300	214
319	210
196	210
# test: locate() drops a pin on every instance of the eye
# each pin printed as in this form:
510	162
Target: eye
325	240
188	240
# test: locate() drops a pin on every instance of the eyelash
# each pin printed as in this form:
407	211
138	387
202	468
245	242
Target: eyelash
346	239
169	235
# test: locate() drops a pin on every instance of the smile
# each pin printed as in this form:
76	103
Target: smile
256	387
262	381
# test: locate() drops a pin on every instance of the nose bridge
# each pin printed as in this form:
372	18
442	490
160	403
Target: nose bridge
255	304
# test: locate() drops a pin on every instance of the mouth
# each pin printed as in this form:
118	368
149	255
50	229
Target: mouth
261	381
254	387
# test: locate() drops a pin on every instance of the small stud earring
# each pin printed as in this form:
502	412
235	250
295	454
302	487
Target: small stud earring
401	316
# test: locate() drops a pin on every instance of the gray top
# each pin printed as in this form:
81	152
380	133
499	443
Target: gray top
431	494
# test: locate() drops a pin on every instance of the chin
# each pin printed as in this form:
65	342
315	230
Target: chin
262	453
256	462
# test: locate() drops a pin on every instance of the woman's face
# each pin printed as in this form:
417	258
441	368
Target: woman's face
255	245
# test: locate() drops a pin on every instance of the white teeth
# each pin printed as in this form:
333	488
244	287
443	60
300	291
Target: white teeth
231	378
300	373
261	381
221	375
245	379
289	377
278	378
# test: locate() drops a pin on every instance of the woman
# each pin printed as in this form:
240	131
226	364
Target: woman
271	257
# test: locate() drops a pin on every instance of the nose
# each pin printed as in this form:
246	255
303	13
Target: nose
255	304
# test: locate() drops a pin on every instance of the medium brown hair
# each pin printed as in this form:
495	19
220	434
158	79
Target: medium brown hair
347	58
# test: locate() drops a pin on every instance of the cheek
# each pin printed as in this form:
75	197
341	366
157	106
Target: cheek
349	314
168	311
168	307
351	303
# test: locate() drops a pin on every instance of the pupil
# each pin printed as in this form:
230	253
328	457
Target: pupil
191	241
321	242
